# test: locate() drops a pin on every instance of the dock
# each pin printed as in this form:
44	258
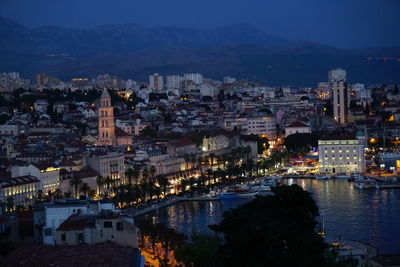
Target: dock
389	186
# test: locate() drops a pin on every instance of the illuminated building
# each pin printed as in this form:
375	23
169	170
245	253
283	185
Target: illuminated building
340	95
156	81
297	127
109	134
341	154
108	163
48	175
22	189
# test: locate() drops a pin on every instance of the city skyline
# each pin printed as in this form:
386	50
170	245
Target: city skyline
209	133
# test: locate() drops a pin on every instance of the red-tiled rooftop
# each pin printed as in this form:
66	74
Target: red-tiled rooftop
297	124
77	222
183	142
102	254
19	181
119	132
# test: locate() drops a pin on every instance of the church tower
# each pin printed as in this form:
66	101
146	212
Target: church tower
106	121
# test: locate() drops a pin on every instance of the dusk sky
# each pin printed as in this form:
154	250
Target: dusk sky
341	23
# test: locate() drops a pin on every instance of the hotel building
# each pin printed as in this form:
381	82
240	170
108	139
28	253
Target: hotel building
341	154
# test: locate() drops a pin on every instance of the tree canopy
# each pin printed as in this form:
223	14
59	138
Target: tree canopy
299	142
276	230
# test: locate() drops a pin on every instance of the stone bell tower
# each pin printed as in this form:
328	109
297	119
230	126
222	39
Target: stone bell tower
106	121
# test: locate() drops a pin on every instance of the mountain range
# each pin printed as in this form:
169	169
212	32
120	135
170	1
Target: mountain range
134	51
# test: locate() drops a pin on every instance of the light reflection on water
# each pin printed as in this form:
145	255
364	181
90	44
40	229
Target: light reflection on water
367	215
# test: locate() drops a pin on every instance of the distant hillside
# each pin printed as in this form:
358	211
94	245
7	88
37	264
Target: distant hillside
134	51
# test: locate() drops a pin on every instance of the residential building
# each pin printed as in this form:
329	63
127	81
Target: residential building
196	78
41	105
55	213
341	154
215	143
297	127
21	189
340	95
46	173
229	80
260	125
107	163
208	90
156	81
92	229
173	81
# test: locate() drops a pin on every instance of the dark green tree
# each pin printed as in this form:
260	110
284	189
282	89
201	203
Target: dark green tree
300	142
200	252
276	230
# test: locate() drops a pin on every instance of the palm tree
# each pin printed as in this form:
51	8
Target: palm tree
145	173
136	175
200	161
209	173
187	161
151	188
212	158
129	173
10	203
152	172
75	182
100	183
84	188
40	195
193	160
206	160
58	194
144	188
92	193
163	182
108	181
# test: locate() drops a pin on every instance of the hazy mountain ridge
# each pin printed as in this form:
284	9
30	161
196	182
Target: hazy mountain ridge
134	51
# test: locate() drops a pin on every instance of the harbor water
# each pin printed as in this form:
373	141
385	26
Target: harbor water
372	215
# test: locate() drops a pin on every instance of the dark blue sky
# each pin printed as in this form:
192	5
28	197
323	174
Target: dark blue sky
342	23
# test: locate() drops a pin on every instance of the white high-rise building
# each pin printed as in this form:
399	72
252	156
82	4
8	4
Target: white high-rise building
156	81
337	75
229	80
340	95
173	81
363	94
197	78
208	90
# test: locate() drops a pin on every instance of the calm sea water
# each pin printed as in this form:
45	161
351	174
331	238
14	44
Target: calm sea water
370	215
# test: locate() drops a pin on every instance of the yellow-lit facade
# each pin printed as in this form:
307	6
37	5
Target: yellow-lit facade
341	156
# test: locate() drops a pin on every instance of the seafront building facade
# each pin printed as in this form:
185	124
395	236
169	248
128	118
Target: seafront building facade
341	155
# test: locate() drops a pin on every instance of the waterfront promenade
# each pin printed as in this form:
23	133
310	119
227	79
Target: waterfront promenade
135	212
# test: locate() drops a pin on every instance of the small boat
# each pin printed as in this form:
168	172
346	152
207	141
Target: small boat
237	191
322	177
260	187
269	182
366	185
232	195
356	177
